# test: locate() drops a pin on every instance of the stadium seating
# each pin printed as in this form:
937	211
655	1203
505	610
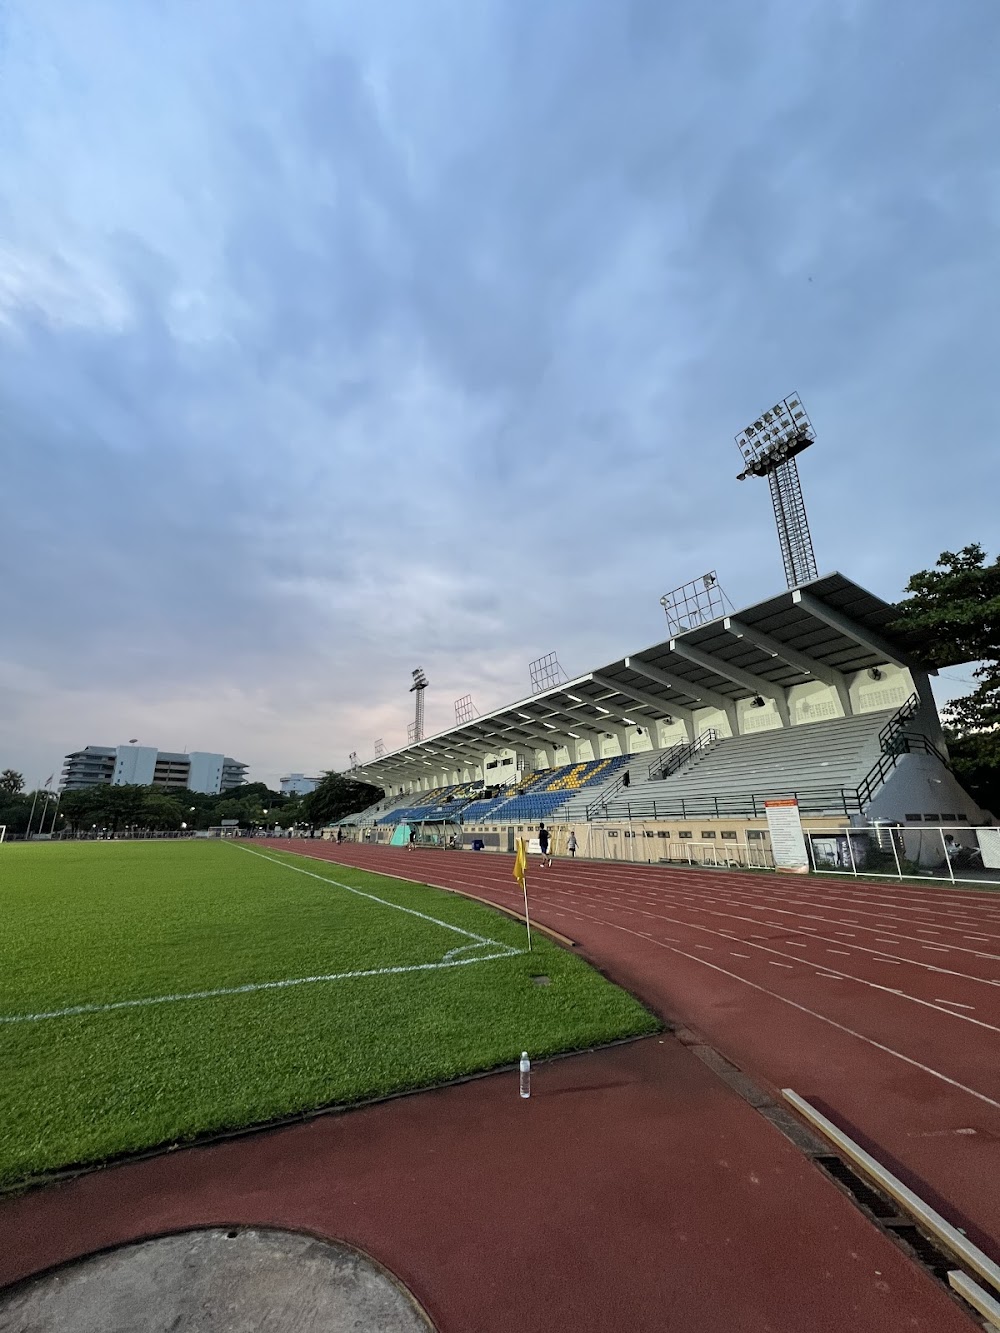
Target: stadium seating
541	794
817	759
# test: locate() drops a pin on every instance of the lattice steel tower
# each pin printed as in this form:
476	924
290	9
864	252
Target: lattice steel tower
416	728
769	447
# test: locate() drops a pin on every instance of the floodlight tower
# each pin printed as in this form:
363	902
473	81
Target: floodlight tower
769	447
420	684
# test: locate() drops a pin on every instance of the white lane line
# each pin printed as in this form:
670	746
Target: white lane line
738	955
774	964
884	939
956	1004
704	946
796	944
936	948
248	989
373	897
979	939
822	1018
893	961
843	952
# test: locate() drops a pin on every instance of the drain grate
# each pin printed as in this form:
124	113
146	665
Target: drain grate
876	1203
881	1207
925	1250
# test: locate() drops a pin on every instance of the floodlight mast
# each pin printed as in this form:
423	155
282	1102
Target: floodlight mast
416	731
769	447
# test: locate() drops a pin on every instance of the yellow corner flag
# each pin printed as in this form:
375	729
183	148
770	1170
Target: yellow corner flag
520	862
521	875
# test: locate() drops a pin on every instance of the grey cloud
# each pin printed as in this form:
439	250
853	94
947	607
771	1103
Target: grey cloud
406	340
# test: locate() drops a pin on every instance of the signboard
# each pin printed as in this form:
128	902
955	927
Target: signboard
787	842
229	823
989	845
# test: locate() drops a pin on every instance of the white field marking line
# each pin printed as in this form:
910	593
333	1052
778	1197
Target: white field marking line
252	986
760	899
410	911
956	1003
877	954
680	881
912	939
909	904
848	976
819	906
831	1022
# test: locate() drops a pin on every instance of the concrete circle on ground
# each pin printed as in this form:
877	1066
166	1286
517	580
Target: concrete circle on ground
226	1280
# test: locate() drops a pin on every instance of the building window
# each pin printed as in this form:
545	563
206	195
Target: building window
708	834
931	819
916	817
685	833
663	833
948	819
728	835
755	835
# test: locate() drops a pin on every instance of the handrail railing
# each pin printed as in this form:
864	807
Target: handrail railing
903	714
668	763
812	801
679	754
894	741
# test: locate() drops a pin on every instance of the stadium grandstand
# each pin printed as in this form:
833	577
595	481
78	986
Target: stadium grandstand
806	695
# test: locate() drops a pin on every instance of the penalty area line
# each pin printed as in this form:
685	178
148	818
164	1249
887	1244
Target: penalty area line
253	986
373	897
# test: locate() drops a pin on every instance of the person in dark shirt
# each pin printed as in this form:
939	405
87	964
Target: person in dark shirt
543	845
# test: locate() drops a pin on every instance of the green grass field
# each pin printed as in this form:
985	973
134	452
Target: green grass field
96	927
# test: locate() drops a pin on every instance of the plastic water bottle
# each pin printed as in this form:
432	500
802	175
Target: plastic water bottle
525	1075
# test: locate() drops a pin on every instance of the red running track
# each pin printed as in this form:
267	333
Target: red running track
633	1192
878	1002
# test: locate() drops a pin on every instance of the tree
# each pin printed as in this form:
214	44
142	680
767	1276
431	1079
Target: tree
337	796
955	610
14	812
11	782
161	812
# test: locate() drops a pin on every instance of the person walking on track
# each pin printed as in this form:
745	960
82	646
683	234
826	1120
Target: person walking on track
571	844
543	845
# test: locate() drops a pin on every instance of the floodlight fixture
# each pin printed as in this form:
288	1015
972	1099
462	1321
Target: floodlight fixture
465	710
545	672
694	603
770	446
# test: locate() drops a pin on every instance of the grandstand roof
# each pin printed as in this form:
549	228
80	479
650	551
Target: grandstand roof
822	631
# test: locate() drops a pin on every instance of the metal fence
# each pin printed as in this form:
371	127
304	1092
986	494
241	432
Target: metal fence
955	855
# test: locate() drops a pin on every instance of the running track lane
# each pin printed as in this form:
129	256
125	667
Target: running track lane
879	1003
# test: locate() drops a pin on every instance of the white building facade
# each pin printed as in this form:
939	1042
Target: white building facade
145	766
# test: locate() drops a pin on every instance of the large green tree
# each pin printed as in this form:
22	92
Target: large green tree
11	782
337	796
954	608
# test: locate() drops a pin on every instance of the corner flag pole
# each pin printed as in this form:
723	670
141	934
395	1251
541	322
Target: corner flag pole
521	875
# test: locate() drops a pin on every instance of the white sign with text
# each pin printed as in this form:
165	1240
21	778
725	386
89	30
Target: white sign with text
787	842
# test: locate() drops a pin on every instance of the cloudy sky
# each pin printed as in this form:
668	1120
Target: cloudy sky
338	338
